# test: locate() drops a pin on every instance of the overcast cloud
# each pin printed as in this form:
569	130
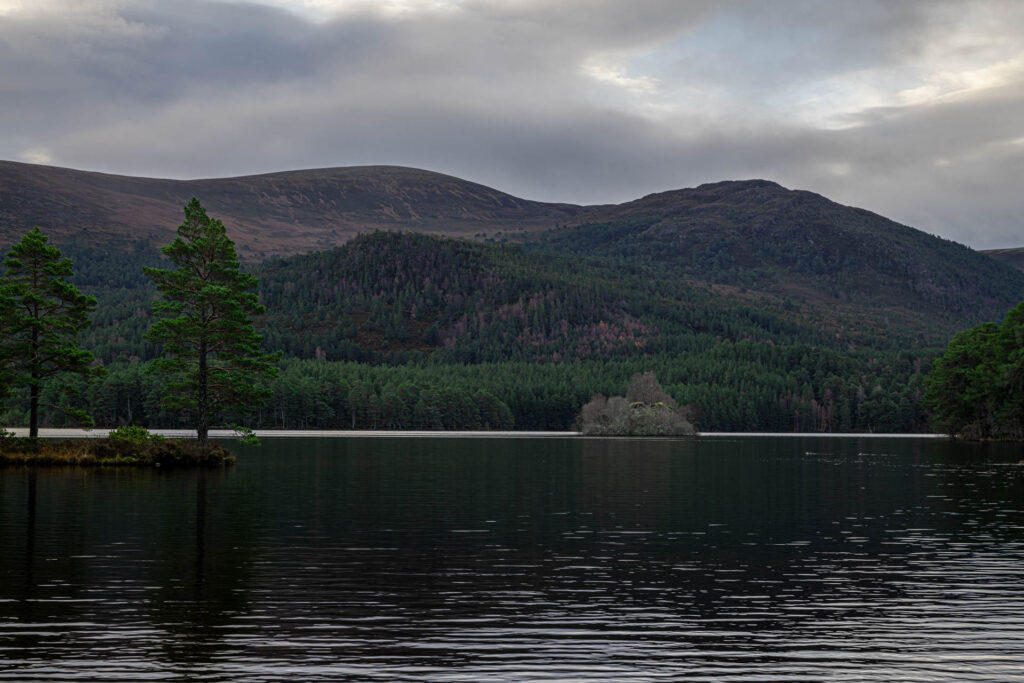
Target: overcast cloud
911	109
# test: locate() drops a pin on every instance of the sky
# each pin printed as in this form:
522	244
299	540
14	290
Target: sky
912	109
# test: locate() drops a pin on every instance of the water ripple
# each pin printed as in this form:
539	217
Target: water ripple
530	562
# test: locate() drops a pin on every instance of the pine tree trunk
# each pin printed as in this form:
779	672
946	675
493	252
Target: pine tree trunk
203	408
33	392
33	408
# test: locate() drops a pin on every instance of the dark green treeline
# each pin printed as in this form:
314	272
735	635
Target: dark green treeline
739	387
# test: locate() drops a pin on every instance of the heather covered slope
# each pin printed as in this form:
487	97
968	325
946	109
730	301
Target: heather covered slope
267	215
1013	257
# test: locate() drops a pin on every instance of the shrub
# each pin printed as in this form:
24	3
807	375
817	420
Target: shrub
133	434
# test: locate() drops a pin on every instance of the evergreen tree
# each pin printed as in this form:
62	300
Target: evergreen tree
976	389
1010	347
211	351
41	316
963	389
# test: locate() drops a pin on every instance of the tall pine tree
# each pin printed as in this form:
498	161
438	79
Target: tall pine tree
211	352
41	316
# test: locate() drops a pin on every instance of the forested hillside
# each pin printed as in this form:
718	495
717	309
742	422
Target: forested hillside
760	235
409	331
576	327
392	296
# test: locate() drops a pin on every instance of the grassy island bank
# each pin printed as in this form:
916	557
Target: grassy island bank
132	446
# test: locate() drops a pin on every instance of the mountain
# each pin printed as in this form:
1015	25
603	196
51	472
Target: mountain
1013	257
273	214
753	234
749	239
761	236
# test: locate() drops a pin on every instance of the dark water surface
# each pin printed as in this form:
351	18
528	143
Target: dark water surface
523	559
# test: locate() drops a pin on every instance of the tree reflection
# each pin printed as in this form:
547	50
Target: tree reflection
205	552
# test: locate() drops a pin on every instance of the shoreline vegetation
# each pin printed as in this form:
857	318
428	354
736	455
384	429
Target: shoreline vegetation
91	448
126	446
975	389
69	433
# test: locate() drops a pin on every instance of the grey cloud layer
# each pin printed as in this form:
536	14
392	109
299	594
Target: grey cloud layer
587	101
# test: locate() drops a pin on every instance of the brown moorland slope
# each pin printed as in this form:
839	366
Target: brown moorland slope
1013	257
273	214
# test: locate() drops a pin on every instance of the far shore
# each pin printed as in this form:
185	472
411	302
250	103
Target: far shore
341	434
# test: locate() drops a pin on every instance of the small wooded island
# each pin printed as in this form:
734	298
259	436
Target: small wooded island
645	410
126	446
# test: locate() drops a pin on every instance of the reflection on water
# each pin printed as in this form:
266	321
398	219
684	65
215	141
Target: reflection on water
583	559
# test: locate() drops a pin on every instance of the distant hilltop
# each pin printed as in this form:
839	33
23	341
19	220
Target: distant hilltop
273	214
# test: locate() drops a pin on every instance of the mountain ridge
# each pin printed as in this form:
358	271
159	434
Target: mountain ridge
269	214
302	210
